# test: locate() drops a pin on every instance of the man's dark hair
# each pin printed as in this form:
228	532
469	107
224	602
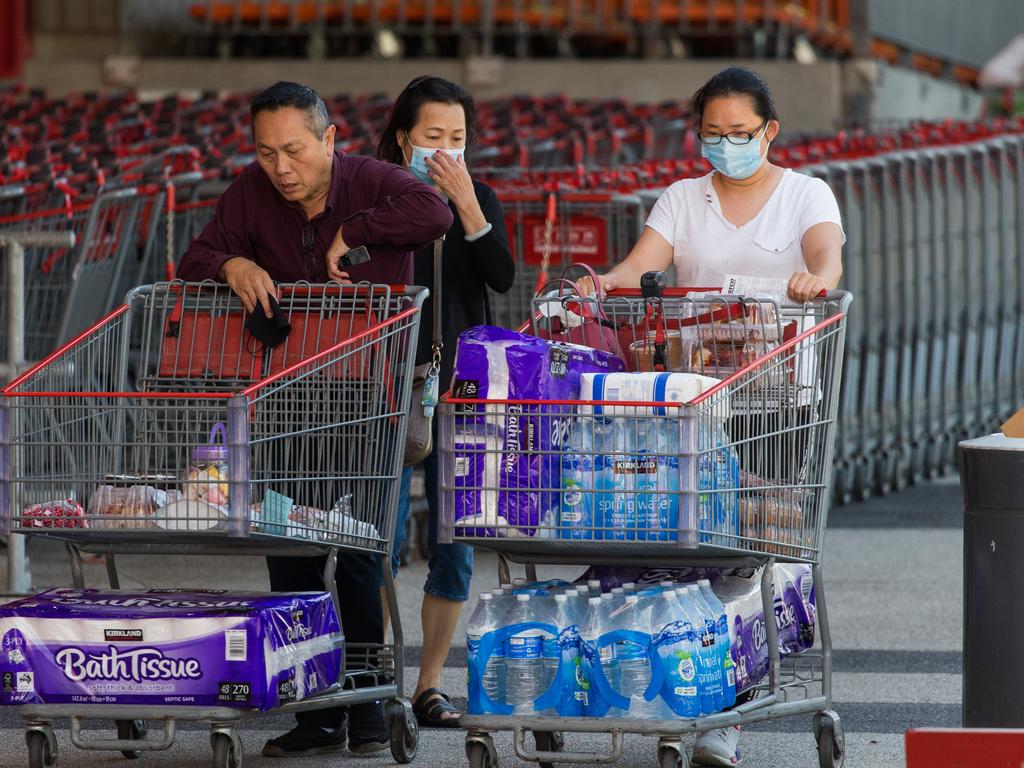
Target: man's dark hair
301	97
735	81
427	89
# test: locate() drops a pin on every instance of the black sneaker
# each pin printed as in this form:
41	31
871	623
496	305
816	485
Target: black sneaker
305	740
367	729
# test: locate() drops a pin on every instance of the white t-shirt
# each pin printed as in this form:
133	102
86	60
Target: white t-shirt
706	246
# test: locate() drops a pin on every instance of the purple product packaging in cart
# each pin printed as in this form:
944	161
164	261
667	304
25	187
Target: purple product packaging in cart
740	592
168	647
508	461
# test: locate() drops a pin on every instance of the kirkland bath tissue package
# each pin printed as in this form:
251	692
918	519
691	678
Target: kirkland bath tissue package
175	647
508	464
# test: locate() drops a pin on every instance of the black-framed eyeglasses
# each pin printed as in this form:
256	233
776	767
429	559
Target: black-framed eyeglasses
736	137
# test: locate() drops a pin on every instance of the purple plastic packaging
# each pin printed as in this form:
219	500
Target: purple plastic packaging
508	462
168	647
740	592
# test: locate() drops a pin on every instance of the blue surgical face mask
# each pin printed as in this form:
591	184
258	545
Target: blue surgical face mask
737	161
418	163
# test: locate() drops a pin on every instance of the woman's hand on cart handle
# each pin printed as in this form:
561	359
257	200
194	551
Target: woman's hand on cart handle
803	286
250	282
605	283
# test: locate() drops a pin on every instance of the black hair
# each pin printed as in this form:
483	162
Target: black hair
735	81
302	97
406	111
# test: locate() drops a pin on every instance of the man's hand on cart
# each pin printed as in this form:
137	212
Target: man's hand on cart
803	286
338	249
250	282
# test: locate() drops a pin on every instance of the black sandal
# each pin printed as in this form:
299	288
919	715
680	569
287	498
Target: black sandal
430	708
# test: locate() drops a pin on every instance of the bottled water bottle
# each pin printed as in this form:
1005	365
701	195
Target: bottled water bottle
702	658
710	653
722	640
586	480
569	694
657	481
629	586
593	629
486	620
527	672
633	668
674	642
595	587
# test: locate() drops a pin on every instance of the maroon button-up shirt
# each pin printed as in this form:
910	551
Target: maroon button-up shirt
379	205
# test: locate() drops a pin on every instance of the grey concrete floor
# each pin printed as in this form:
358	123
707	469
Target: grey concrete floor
893	575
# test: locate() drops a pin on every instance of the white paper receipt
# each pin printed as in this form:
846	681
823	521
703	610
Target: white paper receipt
761	287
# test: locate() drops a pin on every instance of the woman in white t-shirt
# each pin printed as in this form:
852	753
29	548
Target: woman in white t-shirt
747	217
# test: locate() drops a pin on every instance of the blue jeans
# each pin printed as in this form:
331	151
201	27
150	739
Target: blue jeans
450	567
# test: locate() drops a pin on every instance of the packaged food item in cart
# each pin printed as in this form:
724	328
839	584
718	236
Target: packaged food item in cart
774	522
515	445
54	514
643	352
169	647
207	476
186	514
128	506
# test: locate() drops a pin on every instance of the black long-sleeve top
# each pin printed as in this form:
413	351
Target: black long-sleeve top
467	270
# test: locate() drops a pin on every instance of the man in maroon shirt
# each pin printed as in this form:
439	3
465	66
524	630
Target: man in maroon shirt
290	216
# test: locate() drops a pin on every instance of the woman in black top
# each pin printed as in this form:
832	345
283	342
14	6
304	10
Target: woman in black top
428	132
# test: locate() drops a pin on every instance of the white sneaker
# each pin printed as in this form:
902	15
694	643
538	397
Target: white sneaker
717	747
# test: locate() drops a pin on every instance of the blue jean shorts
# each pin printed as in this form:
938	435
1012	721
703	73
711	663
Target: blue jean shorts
450	567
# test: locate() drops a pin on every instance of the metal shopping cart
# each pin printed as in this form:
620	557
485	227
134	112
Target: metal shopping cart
320	418
739	476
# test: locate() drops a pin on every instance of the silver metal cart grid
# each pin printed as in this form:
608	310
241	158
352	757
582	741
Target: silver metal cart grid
320	418
775	410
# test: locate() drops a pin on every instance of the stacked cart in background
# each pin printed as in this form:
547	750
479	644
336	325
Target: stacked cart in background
167	428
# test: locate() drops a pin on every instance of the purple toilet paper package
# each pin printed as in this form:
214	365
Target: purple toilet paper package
740	592
508	461
168	647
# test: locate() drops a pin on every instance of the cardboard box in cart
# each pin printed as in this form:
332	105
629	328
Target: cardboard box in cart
168	647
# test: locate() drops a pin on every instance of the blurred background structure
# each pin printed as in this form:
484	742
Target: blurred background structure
123	120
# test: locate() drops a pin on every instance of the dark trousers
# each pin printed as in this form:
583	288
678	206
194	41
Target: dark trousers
361	617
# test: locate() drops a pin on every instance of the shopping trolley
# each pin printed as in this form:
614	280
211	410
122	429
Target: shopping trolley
319	418
69	289
739	476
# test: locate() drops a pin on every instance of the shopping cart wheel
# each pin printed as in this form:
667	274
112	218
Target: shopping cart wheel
134	730
828	731
672	757
405	736
548	741
227	752
42	749
481	753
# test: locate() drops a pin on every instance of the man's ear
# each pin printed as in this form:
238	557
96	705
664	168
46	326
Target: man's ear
329	138
773	129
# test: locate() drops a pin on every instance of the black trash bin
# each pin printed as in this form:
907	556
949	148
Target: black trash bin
992	481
